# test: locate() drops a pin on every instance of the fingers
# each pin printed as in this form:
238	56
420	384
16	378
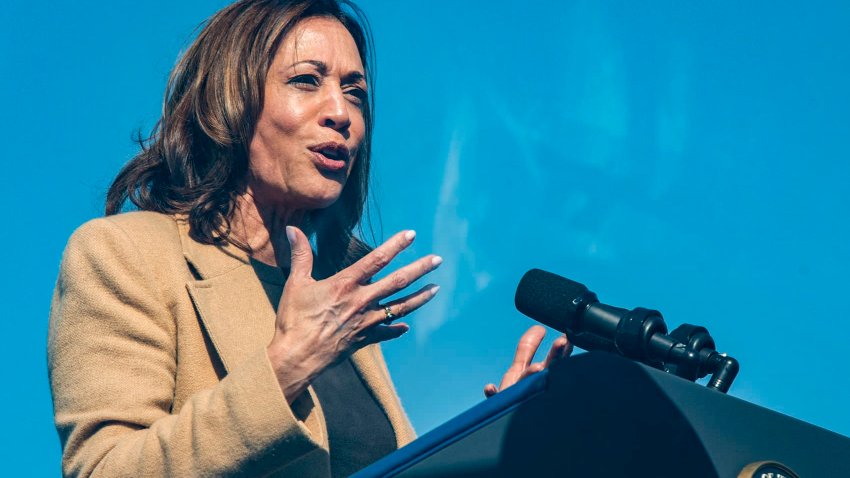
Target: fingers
301	262
560	348
382	333
533	368
568	350
373	262
401	307
403	277
490	389
527	347
407	304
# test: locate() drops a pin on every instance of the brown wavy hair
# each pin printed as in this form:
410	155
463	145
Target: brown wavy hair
195	161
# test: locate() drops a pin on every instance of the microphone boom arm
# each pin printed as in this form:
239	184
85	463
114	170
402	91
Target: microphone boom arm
641	334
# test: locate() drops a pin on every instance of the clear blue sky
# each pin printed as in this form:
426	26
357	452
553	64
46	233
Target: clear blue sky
692	157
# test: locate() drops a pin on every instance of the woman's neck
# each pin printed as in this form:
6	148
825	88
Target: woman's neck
263	229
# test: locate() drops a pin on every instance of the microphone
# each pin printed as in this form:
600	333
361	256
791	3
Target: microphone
569	307
639	334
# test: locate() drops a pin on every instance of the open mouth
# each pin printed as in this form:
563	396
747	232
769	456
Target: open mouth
331	156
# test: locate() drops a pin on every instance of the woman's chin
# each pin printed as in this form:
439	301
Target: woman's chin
318	200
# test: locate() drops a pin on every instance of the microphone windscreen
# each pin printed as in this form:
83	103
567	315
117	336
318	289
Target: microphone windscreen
550	299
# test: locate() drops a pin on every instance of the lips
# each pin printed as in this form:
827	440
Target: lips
331	156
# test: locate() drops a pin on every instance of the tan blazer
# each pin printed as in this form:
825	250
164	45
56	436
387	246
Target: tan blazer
158	367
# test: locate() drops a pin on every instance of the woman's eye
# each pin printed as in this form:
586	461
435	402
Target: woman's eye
304	80
358	94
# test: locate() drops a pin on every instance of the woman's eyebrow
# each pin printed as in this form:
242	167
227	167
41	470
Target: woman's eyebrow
322	68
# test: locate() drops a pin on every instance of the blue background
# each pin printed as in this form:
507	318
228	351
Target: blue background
685	156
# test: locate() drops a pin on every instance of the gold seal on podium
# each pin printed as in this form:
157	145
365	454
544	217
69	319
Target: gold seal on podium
767	469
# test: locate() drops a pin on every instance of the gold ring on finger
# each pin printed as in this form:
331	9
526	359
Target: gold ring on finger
390	315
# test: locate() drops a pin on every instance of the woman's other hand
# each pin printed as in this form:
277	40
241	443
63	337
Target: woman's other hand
322	322
522	366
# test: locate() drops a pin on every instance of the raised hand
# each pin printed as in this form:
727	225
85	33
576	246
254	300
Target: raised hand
322	322
522	366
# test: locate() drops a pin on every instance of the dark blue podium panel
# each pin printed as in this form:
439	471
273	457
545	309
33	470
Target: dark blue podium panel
598	415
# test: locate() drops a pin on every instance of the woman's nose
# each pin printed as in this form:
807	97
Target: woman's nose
334	112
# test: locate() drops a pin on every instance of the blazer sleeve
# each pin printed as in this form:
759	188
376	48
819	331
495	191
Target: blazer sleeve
112	364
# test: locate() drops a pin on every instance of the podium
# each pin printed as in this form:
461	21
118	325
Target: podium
599	415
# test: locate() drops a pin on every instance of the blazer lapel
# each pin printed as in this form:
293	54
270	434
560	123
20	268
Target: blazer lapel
229	298
369	364
238	318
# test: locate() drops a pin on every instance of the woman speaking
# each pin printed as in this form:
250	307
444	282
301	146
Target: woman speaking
202	335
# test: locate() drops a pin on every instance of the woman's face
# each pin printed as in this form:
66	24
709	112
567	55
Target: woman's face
312	123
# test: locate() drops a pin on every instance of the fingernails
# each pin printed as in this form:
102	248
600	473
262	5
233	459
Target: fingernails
290	235
436	261
433	290
409	235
